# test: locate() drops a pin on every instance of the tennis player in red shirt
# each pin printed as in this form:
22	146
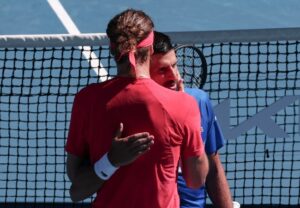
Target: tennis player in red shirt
140	170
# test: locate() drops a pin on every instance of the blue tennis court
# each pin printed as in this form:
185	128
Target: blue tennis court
36	17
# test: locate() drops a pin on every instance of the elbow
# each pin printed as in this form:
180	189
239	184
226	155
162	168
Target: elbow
74	195
196	183
197	172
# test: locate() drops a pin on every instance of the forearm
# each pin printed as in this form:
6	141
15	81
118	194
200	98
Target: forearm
195	170
84	183
217	185
87	179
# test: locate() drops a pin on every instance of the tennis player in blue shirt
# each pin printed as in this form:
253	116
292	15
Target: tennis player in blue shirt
164	71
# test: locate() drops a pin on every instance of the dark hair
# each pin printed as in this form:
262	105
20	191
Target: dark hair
126	30
162	43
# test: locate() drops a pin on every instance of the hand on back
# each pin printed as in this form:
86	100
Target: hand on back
126	150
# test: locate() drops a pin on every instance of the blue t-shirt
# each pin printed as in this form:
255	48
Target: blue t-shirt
212	137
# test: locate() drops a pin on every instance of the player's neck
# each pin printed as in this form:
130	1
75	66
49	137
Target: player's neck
141	70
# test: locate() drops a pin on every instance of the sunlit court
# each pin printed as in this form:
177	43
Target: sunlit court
252	77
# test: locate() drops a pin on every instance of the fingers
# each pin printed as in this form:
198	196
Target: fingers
143	148
132	138
119	131
134	144
126	150
142	145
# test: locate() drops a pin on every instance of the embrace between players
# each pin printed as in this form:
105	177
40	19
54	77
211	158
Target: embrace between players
136	140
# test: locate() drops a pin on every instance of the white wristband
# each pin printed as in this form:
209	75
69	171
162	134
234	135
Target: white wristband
236	204
103	168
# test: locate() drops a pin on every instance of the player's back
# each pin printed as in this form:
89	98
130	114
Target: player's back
142	105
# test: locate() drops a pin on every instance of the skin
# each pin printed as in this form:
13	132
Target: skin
164	71
84	181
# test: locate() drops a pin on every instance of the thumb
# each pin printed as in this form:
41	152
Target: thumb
119	131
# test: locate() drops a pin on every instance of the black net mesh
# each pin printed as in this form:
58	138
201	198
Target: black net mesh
249	83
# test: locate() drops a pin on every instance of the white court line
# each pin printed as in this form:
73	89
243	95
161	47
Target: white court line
72	29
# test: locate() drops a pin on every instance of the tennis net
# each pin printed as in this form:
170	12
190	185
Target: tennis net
252	79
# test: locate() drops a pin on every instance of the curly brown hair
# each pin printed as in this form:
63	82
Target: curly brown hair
126	30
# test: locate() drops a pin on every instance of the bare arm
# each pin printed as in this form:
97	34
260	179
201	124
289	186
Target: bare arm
194	170
85	182
216	183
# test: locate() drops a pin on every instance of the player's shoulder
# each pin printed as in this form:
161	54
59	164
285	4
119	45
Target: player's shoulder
199	94
87	90
91	91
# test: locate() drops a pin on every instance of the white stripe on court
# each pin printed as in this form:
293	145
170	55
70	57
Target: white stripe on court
72	29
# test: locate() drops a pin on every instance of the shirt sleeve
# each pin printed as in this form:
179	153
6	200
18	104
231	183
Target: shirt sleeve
77	137
215	139
192	144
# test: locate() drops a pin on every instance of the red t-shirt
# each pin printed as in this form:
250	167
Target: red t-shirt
142	105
